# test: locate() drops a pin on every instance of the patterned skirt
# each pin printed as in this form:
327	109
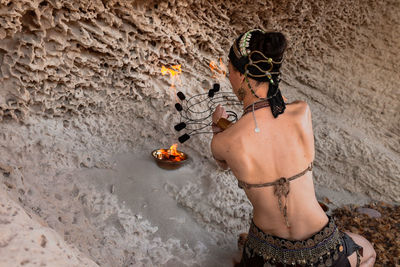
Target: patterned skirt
328	247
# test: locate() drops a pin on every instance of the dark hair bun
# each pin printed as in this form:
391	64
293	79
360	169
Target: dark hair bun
271	44
274	44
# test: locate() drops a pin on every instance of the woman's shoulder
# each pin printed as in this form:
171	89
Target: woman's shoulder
299	109
299	106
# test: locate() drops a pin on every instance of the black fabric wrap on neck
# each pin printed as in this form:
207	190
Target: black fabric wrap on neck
276	103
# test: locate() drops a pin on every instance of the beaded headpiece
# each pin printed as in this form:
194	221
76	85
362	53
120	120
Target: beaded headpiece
244	43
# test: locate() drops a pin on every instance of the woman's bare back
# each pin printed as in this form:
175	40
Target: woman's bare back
283	148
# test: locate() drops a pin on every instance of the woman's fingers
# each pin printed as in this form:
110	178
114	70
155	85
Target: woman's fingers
219	110
224	114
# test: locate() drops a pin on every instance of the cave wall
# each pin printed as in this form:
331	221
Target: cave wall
80	80
67	61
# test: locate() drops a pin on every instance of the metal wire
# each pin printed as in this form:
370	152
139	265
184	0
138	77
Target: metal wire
198	109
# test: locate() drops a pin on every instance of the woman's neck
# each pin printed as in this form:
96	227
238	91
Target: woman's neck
260	90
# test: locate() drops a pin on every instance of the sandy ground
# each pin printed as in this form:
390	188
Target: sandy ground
133	213
144	189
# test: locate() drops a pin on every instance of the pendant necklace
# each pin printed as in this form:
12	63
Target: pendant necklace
256	130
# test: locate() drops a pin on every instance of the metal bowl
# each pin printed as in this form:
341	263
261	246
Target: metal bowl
169	164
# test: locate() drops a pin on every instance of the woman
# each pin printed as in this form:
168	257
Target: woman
270	150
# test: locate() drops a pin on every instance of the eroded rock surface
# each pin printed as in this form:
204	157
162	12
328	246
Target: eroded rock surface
80	81
29	241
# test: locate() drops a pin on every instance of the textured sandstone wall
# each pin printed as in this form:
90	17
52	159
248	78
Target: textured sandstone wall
80	81
31	242
65	61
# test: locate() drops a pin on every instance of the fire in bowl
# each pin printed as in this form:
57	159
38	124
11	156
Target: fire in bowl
169	159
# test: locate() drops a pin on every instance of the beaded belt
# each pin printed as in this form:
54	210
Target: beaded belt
322	249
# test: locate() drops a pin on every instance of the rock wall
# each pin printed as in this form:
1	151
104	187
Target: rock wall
29	241
80	81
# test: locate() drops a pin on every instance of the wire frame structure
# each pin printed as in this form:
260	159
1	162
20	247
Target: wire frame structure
196	111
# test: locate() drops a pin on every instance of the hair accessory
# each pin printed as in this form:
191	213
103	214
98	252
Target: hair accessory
266	73
258	66
244	42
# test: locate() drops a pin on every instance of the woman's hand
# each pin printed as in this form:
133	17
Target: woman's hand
218	113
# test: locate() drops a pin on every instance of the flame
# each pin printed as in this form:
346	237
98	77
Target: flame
218	72
172	150
173	72
171	154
